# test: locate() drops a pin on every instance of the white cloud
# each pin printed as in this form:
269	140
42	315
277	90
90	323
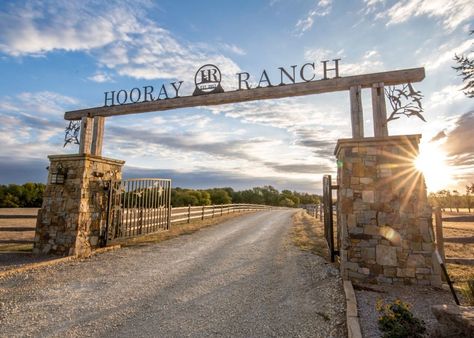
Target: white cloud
447	95
445	53
32	124
322	54
322	8
118	35
100	77
451	12
39	27
233	48
371	61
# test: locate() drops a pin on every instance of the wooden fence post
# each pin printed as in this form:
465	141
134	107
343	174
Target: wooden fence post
189	213
202	217
439	233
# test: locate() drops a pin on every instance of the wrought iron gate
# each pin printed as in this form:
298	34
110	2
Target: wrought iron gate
137	207
328	215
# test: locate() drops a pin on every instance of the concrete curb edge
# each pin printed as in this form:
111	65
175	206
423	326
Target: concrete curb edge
33	266
352	316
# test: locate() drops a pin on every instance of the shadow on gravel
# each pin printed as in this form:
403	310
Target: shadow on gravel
15	259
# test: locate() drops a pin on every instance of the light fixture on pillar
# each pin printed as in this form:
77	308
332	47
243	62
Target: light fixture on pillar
58	176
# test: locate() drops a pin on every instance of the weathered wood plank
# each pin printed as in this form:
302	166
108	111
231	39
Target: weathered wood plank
86	135
357	116
97	135
379	110
298	89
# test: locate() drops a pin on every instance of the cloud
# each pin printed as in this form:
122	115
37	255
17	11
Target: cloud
322	8
446	96
233	48
301	168
210	179
320	54
19	171
438	136
118	35
370	62
451	13
36	28
445	54
100	77
32	124
459	142
187	141
307	122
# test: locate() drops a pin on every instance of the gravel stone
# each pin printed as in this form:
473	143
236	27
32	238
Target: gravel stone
421	298
241	278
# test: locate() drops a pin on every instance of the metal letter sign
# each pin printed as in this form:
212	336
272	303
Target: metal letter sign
208	80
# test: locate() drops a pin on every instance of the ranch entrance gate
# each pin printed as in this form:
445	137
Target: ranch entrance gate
384	223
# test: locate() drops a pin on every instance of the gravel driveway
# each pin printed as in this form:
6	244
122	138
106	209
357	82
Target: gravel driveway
243	277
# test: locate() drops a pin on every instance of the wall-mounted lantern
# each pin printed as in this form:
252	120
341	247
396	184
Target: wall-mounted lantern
58	176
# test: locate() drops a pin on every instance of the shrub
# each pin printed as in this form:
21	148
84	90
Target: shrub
397	321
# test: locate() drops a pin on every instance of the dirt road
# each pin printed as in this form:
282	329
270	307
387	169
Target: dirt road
243	278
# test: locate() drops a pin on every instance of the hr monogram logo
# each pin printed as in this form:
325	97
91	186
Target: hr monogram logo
208	80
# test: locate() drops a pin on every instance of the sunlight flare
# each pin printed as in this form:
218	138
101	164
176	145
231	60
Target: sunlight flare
432	162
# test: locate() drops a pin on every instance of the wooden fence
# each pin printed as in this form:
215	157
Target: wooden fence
189	213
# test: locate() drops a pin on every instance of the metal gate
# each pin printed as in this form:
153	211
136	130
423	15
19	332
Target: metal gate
328	215
137	207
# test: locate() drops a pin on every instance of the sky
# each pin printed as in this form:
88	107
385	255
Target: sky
57	56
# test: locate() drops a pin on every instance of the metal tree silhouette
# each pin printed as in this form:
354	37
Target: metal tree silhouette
71	135
404	101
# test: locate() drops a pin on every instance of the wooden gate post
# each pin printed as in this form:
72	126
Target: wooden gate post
439	233
97	136
86	136
379	110
357	116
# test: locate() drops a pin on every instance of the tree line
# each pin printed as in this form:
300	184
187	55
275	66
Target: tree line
30	195
453	199
267	195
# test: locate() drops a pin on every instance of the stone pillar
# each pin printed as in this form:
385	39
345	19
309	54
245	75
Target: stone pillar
384	219
74	213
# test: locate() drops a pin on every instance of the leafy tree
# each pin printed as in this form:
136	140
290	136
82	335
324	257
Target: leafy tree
456	200
28	195
465	69
469	191
220	196
286	202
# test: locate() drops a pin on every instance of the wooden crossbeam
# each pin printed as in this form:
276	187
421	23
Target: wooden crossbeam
298	89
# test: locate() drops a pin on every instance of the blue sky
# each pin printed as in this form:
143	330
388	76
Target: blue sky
57	56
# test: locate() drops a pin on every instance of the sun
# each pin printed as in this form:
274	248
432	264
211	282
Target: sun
432	162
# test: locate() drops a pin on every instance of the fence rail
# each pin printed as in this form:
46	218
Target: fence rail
189	213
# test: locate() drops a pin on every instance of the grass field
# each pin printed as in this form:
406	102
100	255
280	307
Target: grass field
14	218
458	231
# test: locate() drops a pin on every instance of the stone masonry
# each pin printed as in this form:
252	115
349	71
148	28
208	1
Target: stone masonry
384	219
73	214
